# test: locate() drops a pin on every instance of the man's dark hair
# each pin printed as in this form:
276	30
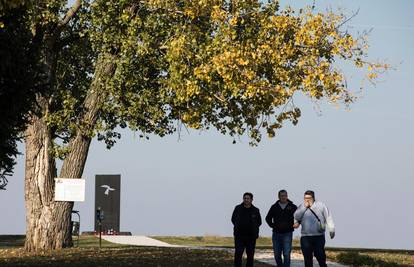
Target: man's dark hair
281	192
248	194
310	193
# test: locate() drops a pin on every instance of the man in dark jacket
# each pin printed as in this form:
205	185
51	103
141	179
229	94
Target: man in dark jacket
246	220
280	219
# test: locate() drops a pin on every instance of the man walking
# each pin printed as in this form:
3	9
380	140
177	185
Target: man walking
280	219
246	220
314	217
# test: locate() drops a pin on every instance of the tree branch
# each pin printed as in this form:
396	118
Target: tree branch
3	183
69	39
348	19
71	12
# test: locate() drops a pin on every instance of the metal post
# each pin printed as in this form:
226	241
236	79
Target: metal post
100	234
99	218
77	213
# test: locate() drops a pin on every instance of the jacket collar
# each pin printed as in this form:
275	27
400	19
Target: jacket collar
242	205
289	202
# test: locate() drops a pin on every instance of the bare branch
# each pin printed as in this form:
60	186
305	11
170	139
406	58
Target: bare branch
71	12
348	19
219	98
61	137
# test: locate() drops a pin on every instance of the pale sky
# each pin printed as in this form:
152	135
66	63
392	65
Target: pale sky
359	162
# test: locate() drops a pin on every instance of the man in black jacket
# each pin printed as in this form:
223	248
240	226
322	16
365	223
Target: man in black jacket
280	219
246	220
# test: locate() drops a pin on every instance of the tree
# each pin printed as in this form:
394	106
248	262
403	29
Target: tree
152	65
17	81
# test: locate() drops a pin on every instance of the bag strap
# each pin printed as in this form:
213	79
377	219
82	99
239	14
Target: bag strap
314	214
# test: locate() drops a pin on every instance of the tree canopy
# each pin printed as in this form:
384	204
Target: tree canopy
230	65
17	81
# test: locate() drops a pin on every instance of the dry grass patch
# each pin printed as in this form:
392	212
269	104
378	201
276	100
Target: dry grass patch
89	255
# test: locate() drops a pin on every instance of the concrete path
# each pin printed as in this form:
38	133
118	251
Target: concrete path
136	240
265	256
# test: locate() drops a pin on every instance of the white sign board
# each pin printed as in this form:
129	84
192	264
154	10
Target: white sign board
69	189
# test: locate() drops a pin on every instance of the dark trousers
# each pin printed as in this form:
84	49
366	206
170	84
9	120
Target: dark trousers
313	246
241	244
282	244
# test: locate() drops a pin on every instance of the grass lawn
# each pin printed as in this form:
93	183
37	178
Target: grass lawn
348	256
372	257
88	254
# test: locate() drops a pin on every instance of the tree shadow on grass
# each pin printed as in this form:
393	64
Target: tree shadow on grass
117	257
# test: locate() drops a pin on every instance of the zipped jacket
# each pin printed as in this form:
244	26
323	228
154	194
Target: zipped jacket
281	220
246	221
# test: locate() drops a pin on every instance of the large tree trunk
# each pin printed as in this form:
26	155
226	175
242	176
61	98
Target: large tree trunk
47	221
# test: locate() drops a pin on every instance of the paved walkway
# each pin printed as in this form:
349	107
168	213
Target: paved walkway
265	256
136	240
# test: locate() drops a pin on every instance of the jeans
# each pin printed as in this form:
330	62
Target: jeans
313	246
240	244
282	243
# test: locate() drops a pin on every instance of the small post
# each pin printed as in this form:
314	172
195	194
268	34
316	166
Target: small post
100	235
100	217
78	227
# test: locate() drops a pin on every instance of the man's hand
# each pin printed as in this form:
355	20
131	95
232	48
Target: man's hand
307	203
296	225
332	234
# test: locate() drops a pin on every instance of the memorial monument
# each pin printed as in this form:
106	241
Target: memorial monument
107	203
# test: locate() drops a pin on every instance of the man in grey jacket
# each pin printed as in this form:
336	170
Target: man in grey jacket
314	217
